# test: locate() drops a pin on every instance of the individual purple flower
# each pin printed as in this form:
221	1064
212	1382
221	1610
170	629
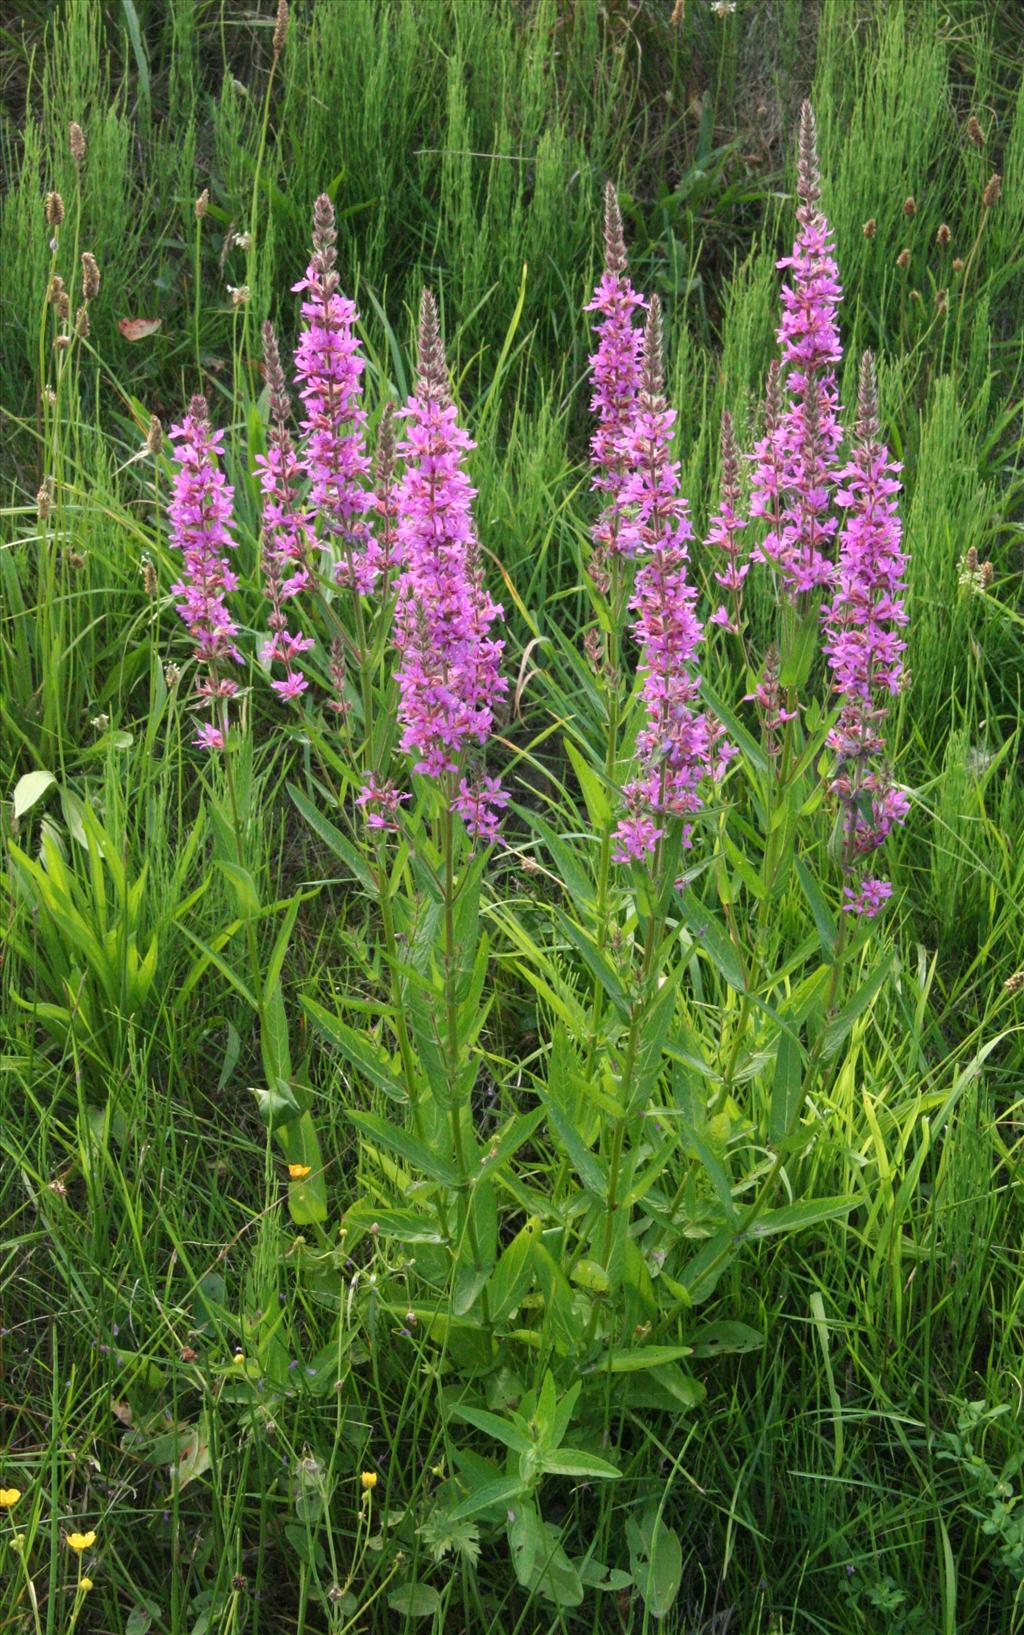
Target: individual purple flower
725	530
380	803
615	372
329	368
200	516
862	623
480	803
868	898
288	538
448	670
768	697
800	467
678	745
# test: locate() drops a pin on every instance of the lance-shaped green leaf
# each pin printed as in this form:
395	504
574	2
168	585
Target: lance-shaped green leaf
369	1058
333	838
597	962
405	1145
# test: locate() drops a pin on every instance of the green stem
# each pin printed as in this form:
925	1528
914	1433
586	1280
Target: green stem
465	1213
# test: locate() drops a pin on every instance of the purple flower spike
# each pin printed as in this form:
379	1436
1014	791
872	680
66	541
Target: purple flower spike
200	517
287	534
678	746
448	670
724	531
329	368
863	643
795	470
615	371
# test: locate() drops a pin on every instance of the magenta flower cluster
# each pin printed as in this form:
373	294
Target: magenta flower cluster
676	747
288	538
795	462
725	531
200	514
448	670
864	646
615	373
329	368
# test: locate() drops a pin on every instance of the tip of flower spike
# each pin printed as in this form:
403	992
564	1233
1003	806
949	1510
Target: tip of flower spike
730	461
431	369
324	234
652	373
867	401
198	408
274	373
614	238
808	183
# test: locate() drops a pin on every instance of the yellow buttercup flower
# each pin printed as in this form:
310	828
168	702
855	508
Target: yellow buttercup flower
81	1541
9	1497
85	1583
369	1480
298	1172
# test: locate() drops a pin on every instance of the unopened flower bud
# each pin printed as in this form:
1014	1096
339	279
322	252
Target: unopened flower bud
943	236
54	209
150	583
958	265
975	133
62	342
1015	984
44	499
90	276
941	300
915	295
869	227
903	259
155	435
82	322
910	206
993	191
76	142
202	204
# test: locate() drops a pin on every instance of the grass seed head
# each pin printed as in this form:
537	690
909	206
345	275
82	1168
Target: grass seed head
54	209
90	276
993	190
76	142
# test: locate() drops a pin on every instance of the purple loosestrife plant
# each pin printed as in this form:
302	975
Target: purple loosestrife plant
287	534
863	644
329	368
795	477
676	747
200	517
448	671
615	372
725	530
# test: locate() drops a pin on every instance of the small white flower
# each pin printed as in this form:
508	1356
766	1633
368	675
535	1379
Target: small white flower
240	295
243	240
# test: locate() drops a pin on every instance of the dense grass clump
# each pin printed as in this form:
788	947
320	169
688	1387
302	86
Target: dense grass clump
404	1232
